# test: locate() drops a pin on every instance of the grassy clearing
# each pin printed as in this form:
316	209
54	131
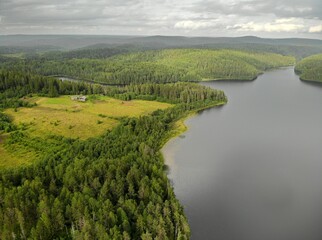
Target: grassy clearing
14	55
62	116
16	158
16	155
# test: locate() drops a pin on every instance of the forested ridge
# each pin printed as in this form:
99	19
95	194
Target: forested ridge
110	187
158	66
310	68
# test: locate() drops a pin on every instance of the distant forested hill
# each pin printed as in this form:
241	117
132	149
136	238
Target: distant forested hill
159	66
29	44
79	41
310	68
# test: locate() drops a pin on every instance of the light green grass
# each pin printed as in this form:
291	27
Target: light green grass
14	55
62	116
15	155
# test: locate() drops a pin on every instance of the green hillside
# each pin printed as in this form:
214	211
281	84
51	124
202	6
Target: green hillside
161	66
197	64
310	68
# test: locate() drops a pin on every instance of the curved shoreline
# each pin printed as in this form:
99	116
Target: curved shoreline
205	161
177	131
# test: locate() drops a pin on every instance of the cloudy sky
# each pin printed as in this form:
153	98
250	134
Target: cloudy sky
264	18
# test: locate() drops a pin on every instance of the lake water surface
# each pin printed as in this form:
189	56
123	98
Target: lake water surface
252	169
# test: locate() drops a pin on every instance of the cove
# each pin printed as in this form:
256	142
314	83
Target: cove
252	169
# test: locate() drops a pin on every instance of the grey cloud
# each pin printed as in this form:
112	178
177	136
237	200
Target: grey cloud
71	16
167	17
285	8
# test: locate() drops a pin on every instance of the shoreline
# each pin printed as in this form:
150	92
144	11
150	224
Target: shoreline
177	131
245	79
204	159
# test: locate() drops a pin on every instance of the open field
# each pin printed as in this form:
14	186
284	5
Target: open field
16	155
62	116
14	55
17	158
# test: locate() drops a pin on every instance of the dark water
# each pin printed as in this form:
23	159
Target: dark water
252	169
69	79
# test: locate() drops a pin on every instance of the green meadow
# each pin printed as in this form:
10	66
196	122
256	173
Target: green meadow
73	119
62	116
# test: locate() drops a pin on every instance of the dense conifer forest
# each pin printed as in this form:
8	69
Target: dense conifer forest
158	66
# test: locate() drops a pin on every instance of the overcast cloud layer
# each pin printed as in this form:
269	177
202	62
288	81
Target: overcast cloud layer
265	18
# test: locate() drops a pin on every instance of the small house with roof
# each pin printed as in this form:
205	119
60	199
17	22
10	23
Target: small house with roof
79	98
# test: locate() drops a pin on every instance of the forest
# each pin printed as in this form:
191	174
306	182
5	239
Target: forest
310	68
157	66
110	187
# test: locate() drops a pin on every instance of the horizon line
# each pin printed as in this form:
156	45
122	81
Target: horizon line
157	35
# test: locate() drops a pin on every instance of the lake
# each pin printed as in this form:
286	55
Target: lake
252	169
